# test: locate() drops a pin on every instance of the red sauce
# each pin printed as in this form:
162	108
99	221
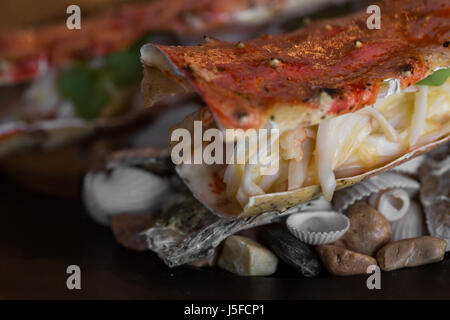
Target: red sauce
217	186
341	57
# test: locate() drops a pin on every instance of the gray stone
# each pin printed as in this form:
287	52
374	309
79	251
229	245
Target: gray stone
292	251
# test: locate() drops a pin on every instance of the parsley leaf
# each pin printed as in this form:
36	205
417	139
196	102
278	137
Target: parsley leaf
437	78
124	67
82	85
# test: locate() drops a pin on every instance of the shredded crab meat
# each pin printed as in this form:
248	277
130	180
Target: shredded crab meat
419	115
346	145
297	168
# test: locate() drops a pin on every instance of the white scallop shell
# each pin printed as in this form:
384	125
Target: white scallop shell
123	190
412	224
346	197
318	227
393	204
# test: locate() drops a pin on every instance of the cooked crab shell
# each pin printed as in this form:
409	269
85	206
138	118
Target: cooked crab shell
322	148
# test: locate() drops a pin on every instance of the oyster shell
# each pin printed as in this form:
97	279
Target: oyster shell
318	227
387	180
411	225
177	247
435	193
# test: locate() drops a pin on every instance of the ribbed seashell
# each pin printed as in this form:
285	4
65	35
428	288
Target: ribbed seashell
123	190
318	227
412	224
388	180
434	193
318	204
410	167
393	204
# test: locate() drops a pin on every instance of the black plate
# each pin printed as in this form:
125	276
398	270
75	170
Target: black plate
40	237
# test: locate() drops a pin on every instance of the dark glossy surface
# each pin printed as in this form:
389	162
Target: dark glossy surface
40	237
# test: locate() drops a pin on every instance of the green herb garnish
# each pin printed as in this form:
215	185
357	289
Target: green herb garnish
124	67
436	79
85	85
82	85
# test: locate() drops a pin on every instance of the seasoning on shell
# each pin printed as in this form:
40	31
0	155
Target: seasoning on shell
319	227
274	62
358	44
240	45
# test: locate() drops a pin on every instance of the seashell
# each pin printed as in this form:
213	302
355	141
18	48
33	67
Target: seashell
123	190
151	159
200	240
318	227
410	167
387	180
411	225
318	204
434	193
392	203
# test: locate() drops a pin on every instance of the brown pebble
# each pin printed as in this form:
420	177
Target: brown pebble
126	229
411	253
343	262
369	230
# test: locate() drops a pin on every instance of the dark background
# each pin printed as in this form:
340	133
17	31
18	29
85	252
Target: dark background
40	237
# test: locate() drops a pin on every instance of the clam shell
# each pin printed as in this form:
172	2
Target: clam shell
318	227
393	204
412	224
344	198
435	193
